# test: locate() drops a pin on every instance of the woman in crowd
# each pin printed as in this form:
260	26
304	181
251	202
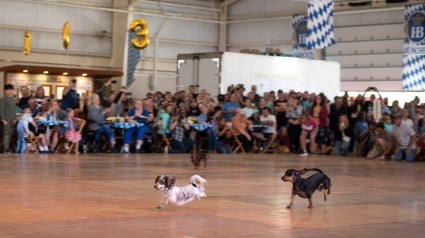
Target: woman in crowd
309	130
96	122
210	134
240	128
342	136
141	116
319	112
55	113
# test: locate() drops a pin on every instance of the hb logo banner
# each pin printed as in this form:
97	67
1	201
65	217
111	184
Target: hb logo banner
413	77
299	37
414	16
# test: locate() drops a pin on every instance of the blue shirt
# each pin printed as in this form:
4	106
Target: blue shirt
228	106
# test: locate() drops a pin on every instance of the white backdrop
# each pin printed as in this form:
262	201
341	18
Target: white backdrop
286	73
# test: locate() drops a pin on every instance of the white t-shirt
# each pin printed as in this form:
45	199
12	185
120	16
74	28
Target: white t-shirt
272	127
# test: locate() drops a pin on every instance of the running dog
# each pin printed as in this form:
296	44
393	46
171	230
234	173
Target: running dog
305	187
198	157
179	195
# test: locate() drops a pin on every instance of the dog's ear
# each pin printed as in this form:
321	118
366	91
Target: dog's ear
170	181
302	171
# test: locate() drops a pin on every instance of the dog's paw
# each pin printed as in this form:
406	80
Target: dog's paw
310	207
288	207
160	206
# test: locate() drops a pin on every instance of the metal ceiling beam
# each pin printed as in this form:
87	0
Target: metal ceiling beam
180	5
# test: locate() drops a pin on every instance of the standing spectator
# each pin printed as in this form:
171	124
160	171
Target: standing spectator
337	109
308	133
294	111
23	130
280	106
7	115
25	96
210	133
406	138
70	96
39	95
320	114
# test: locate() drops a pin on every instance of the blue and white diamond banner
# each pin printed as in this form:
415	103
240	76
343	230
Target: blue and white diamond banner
413	77
320	24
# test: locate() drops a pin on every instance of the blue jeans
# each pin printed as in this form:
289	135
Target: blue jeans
211	138
341	148
179	147
401	154
139	131
108	132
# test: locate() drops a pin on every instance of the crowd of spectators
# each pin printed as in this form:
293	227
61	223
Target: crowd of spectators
304	123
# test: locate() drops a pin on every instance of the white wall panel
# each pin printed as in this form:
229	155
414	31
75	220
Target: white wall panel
368	60
366	47
371	73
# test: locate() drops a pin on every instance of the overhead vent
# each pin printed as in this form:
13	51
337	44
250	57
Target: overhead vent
395	1
360	3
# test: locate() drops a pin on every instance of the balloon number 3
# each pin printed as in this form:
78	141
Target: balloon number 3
141	40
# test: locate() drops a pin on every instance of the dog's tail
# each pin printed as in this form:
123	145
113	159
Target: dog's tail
197	179
302	171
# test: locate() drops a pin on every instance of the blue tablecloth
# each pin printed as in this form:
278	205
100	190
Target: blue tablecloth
201	127
53	123
126	125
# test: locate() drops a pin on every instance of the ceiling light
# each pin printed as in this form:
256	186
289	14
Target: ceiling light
25	70
45	72
65	73
84	74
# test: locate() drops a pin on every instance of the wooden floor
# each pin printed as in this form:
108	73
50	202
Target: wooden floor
112	195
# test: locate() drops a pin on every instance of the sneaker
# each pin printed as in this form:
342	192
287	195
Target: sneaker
304	154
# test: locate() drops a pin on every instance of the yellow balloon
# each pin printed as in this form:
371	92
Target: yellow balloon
141	40
65	34
27	42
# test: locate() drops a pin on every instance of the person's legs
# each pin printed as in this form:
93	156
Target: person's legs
140	133
177	147
128	134
399	155
411	156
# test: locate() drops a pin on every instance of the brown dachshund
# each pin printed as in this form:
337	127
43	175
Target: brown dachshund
198	157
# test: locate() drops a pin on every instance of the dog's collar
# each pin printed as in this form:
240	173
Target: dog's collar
194	185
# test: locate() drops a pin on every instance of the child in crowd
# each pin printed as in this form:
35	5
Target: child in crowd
283	142
71	134
23	130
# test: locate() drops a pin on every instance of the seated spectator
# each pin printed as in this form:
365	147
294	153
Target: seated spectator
164	116
406	138
140	115
96	122
309	130
367	139
209	132
180	143
55	113
224	135
270	132
343	136
385	144
240	127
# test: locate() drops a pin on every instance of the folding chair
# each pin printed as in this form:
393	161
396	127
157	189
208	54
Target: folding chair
161	139
237	144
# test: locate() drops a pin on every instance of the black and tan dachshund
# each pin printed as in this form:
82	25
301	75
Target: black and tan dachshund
305	187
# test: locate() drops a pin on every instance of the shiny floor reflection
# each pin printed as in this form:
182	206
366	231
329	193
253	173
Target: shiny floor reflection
112	195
